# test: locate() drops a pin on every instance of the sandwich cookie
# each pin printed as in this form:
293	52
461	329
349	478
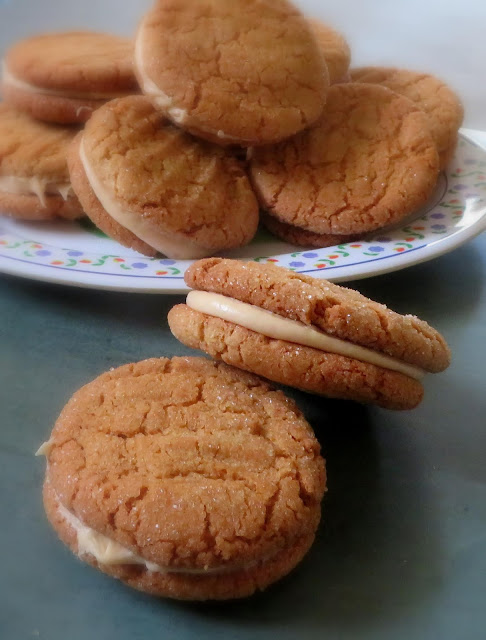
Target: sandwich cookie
64	77
307	333
369	162
335	49
246	72
301	237
441	105
156	189
34	177
184	478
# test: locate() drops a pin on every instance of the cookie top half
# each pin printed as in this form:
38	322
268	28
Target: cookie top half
76	63
340	312
183	197
191	465
368	162
247	71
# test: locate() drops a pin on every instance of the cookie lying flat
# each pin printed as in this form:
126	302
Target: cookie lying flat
154	188
307	333
369	162
247	72
302	237
34	177
335	49
184	478
64	77
441	105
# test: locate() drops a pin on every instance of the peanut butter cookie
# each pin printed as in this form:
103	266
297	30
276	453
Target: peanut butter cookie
184	478
34	177
245	72
157	189
367	163
307	333
335	49
64	77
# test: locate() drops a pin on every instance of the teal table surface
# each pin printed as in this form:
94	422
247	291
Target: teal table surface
401	550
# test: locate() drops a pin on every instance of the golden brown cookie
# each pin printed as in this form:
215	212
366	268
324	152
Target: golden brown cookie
154	188
335	49
184	478
367	163
307	333
64	77
302	237
247	71
34	178
441	105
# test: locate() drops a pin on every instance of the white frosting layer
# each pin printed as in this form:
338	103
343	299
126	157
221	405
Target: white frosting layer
172	245
45	448
35	186
10	80
274	326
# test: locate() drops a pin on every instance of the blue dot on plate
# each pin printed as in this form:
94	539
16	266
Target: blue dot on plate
377	249
167	262
460	187
43	252
438	216
139	265
74	254
310	255
296	264
438	226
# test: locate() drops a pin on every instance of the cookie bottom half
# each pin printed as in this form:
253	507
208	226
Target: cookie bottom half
224	586
29	207
294	365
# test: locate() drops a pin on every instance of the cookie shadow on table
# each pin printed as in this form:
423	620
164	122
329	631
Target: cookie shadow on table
377	544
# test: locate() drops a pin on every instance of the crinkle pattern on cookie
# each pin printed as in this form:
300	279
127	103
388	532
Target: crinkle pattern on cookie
441	105
367	163
247	71
200	469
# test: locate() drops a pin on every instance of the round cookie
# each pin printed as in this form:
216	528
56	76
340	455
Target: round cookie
335	49
34	177
154	188
184	478
367	163
441	105
307	333
245	72
64	77
302	237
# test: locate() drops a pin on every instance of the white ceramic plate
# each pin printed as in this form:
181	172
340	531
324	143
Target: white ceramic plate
77	254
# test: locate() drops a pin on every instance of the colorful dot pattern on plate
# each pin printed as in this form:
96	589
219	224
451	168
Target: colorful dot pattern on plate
459	201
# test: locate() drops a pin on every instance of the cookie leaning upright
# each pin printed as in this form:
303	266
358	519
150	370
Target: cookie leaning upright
307	333
441	105
155	188
247	72
335	49
34	177
184	478
64	77
367	163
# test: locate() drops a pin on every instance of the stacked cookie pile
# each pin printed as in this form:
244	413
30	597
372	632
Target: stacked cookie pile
330	154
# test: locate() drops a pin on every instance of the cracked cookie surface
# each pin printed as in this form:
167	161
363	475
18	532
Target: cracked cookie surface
35	151
369	162
64	77
247	71
194	192
441	105
193	466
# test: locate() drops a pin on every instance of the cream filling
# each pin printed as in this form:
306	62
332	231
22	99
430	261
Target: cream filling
110	553
35	186
172	245
274	326
12	81
45	448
